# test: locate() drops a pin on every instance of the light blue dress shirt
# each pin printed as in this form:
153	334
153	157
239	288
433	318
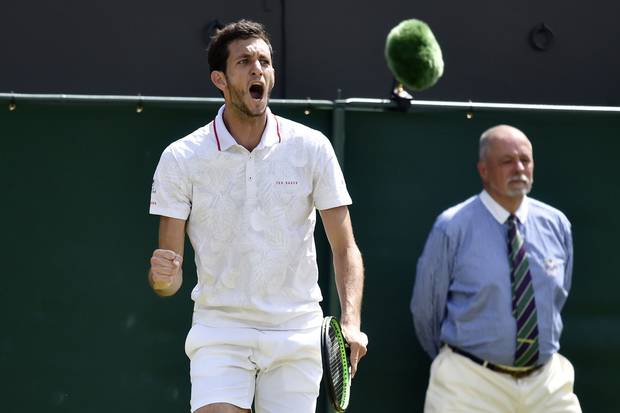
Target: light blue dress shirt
462	294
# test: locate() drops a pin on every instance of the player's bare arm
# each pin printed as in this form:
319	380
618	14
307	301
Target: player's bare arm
349	278
166	273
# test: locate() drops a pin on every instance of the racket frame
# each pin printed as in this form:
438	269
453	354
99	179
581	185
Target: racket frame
343	347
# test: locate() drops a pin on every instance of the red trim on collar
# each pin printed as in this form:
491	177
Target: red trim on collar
217	139
278	129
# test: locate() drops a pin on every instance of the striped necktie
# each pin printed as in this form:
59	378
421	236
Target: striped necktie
523	301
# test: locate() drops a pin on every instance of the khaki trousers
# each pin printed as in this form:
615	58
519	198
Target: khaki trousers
459	385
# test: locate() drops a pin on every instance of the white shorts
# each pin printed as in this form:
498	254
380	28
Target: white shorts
280	370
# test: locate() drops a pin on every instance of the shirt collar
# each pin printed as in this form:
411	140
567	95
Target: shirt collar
271	134
499	213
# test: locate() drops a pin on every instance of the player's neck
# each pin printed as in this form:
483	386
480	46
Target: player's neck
246	130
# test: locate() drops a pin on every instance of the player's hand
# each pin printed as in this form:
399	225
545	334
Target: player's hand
358	343
165	273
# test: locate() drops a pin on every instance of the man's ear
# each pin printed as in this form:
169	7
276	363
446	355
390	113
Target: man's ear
219	80
482	170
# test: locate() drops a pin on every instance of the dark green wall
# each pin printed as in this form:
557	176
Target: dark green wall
83	332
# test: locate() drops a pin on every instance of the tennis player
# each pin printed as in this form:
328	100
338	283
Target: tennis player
245	187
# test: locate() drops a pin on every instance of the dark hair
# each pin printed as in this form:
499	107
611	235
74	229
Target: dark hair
243	29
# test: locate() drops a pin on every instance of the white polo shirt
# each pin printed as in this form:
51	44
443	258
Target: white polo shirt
250	219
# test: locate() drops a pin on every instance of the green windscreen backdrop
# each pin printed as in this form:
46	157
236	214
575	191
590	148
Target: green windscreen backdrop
82	332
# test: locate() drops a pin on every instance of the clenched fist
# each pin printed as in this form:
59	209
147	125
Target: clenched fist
165	276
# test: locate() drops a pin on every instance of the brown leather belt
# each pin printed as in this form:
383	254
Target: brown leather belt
517	374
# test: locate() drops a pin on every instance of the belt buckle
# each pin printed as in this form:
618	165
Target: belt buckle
517	374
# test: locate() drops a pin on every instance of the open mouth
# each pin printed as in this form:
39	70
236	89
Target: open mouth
256	91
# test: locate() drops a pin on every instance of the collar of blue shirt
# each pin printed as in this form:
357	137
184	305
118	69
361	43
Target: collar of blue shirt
498	211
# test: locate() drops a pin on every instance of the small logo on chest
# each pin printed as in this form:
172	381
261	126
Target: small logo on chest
287	182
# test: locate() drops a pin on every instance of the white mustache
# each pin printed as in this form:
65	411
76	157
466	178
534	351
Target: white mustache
519	178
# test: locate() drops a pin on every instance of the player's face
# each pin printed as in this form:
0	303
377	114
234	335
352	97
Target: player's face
249	76
508	167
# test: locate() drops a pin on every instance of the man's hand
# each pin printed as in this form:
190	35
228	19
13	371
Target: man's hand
358	343
165	274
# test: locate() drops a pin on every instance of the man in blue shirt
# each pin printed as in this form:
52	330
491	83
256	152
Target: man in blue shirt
490	285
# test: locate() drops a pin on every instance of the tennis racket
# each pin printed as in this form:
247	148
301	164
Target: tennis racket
336	367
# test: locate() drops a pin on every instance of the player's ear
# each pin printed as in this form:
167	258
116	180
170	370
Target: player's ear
219	80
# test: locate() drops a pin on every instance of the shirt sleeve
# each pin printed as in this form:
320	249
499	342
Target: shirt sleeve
568	269
330	189
171	191
428	302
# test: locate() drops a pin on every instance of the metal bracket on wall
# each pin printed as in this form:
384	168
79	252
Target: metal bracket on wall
470	111
140	105
541	37
307	110
12	104
401	96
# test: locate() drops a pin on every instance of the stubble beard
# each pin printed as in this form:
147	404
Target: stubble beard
236	100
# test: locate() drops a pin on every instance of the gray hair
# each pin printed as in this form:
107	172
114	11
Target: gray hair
483	144
485	138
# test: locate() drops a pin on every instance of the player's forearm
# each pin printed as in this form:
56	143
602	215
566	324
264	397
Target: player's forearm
350	283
